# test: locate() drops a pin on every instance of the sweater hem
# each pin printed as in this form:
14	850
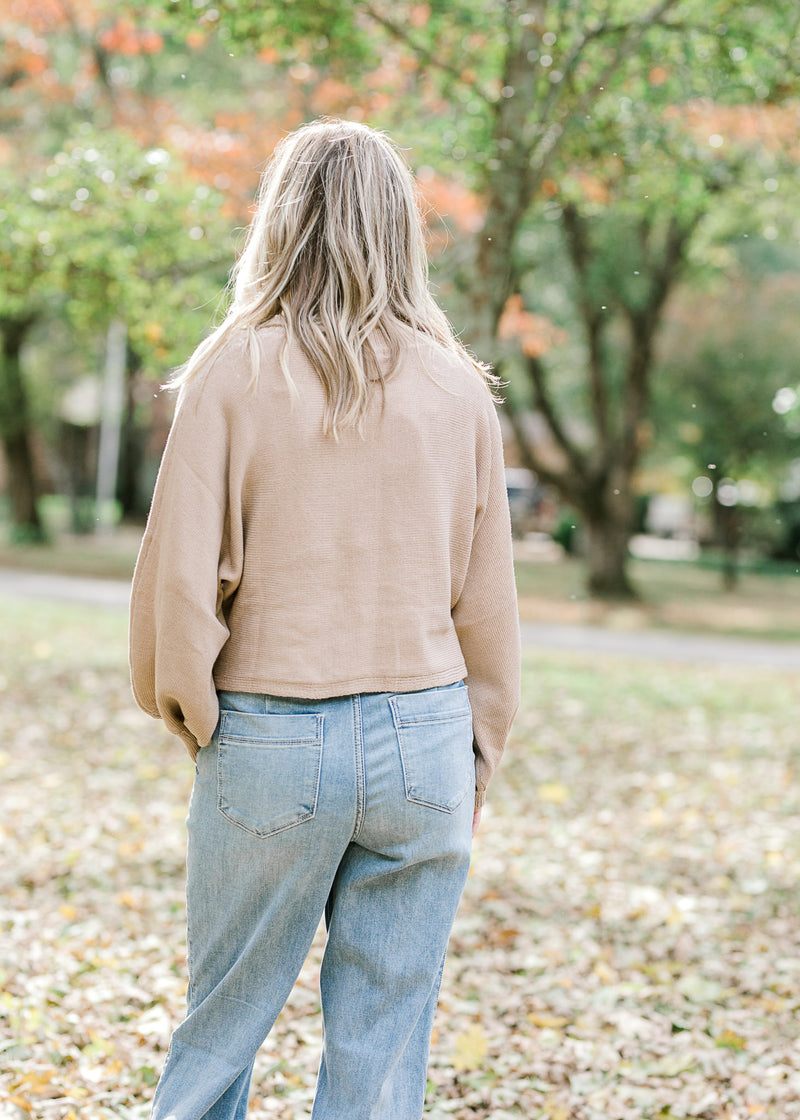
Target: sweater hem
304	690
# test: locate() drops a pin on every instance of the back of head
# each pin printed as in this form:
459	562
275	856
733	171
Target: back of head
336	247
337	231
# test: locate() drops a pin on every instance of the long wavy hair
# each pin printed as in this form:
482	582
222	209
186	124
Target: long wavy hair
336	247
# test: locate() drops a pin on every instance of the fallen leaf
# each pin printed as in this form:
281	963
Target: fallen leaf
470	1048
544	1020
556	793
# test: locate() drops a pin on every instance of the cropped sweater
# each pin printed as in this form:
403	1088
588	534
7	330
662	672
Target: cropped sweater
278	560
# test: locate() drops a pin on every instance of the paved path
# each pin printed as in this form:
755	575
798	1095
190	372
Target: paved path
667	645
18	584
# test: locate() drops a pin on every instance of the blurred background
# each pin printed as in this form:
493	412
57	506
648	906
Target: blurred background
611	191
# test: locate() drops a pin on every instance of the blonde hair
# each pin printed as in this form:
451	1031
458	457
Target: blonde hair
336	247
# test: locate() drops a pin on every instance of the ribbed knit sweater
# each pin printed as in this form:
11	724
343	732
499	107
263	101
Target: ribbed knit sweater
278	560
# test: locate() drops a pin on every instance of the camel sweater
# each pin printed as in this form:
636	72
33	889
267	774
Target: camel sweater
278	560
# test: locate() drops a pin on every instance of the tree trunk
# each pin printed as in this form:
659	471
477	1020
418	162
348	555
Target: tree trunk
110	425
728	526
15	434
131	453
511	179
607	556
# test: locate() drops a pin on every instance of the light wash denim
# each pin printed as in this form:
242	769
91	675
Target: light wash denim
359	807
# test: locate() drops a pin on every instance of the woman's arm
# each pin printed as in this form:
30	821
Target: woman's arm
486	616
190	559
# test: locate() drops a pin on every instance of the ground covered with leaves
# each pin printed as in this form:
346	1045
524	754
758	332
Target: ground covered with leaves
628	946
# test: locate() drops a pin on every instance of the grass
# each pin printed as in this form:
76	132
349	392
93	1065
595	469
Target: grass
102	557
676	595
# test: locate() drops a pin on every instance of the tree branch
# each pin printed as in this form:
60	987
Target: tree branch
11	77
643	324
544	404
578	247
511	181
666	272
639	28
424	54
90	42
561	480
13	329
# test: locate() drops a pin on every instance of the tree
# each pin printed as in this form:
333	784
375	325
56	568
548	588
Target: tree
526	99
103	229
619	319
724	407
101	216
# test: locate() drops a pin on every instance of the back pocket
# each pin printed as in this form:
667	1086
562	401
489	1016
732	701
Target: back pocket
434	734
268	769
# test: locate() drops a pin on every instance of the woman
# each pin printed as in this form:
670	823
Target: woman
328	557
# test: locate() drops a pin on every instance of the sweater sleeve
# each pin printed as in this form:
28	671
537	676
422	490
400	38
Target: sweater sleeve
486	615
189	564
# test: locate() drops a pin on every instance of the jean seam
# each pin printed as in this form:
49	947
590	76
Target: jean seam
358	743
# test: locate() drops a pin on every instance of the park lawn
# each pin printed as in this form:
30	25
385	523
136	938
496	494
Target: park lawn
628	945
673	595
101	557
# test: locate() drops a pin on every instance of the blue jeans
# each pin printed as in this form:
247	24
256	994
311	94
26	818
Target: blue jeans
359	807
